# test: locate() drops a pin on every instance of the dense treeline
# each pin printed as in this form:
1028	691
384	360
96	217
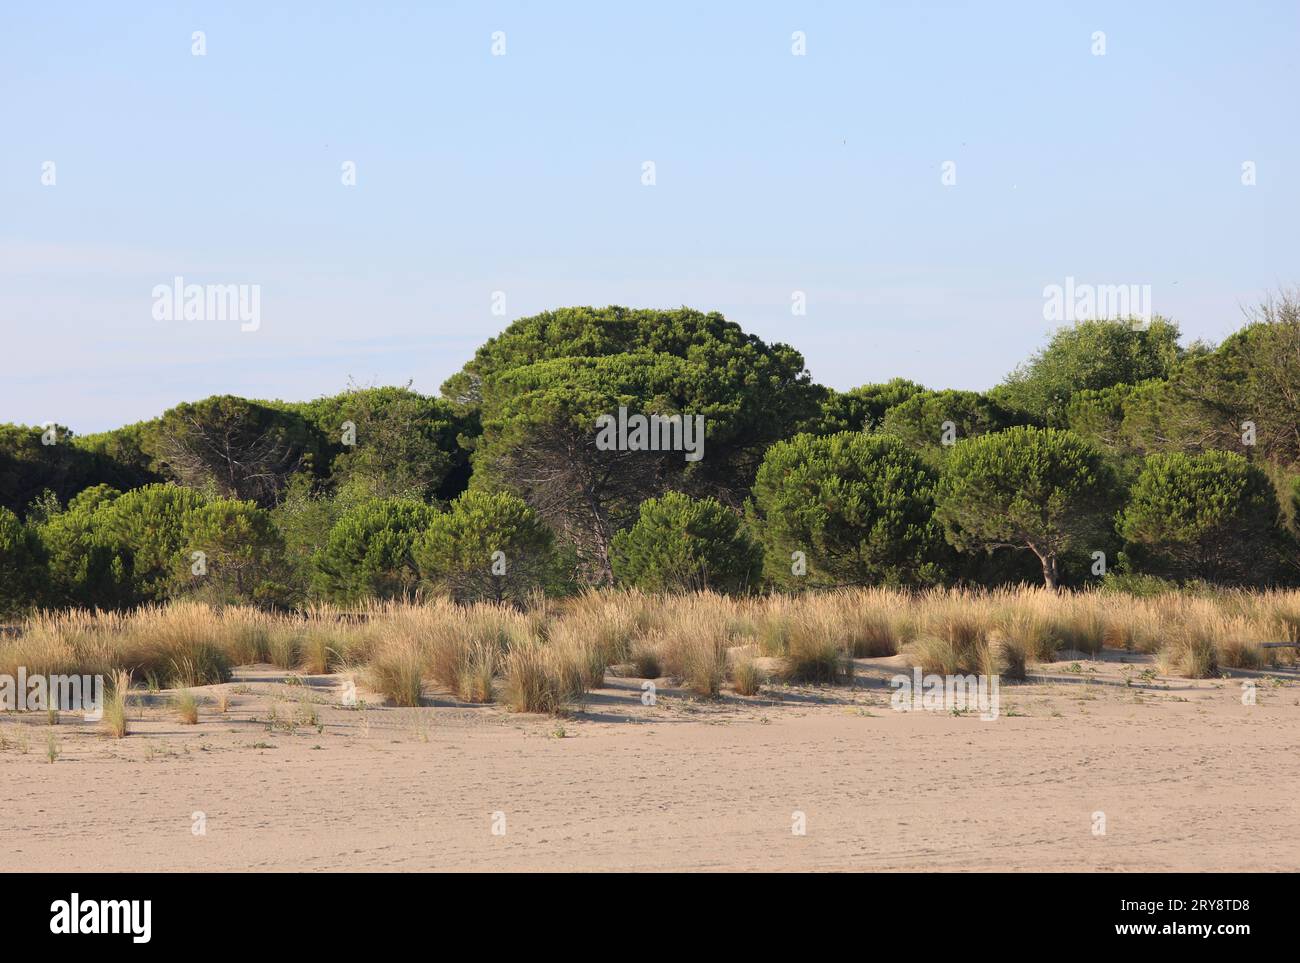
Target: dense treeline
1113	452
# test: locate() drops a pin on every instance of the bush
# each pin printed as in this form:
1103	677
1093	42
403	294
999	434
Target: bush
368	553
114	551
682	544
22	564
242	554
1211	515
858	507
488	546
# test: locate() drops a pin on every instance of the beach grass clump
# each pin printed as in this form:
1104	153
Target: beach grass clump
746	676
114	719
186	706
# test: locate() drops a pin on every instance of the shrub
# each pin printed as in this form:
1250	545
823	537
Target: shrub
857	507
488	546
368	553
1211	515
681	543
22	564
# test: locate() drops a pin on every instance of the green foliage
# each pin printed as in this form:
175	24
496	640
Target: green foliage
304	518
123	459
22	564
542	382
921	422
232	448
142	533
742	361
1090	356
36	460
1254	376
112	550
84	570
405	443
857	506
681	543
862	408
369	551
1042	489
489	546
1210	516
242	555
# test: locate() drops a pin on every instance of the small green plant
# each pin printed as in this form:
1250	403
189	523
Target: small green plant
51	746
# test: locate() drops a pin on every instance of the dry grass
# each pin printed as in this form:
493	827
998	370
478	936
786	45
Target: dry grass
114	720
187	707
538	678
400	648
746	676
814	652
693	642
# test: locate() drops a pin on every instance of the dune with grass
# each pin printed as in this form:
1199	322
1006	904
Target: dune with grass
620	729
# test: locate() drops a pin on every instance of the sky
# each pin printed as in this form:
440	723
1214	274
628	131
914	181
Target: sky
921	172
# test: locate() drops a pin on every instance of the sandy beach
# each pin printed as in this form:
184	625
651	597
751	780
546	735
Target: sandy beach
1188	778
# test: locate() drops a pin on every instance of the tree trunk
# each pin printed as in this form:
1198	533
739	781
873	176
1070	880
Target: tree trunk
1049	571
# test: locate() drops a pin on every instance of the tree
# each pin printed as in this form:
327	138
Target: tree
488	546
853	508
368	553
232	448
397	443
304	518
541	384
1041	489
22	565
681	543
1244	396
1090	355
84	569
1210	516
52	459
862	408
541	440
930	422
774	372
232	554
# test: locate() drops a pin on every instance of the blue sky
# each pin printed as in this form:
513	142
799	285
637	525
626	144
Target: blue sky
523	174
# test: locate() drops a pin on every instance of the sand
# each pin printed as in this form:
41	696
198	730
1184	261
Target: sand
1187	776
